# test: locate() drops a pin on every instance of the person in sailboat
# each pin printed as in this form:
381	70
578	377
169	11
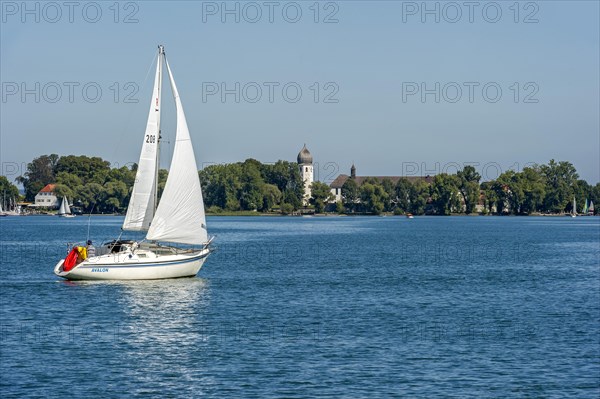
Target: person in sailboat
91	250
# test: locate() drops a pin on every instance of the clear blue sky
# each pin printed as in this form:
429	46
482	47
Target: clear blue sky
373	56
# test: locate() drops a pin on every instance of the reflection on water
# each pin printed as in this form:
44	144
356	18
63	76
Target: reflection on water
161	329
167	319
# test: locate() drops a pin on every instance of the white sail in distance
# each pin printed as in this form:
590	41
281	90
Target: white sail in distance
143	197
61	210
180	214
65	206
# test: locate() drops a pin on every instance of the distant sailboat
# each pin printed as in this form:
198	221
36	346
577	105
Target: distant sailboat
65	210
574	210
178	218
584	211
591	208
2	213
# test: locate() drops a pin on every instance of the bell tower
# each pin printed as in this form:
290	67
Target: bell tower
305	164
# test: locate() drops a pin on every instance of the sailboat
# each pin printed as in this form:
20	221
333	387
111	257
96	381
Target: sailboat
65	210
178	218
2	213
574	210
591	209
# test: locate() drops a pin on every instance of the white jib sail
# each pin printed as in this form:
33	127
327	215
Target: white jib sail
61	210
143	198
180	214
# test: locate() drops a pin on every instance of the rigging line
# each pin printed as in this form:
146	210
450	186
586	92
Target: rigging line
89	222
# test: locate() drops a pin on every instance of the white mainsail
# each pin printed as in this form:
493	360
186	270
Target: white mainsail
180	214
143	197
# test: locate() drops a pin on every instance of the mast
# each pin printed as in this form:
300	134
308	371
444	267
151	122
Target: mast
161	56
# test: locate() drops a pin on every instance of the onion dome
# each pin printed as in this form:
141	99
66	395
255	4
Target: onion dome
304	156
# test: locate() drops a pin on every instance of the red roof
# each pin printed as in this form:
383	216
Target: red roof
48	189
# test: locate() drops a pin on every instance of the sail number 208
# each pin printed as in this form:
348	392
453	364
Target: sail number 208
150	138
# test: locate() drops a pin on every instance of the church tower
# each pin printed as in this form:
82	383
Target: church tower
305	163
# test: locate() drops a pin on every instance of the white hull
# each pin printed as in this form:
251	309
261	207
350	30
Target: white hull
66	216
122	266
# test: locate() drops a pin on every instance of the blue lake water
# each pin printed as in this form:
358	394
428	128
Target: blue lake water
309	307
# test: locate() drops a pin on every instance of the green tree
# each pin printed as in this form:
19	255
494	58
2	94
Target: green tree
445	193
62	190
534	189
560	178
115	192
221	185
595	198
8	190
111	204
123	174
350	194
163	174
88	169
68	179
89	196
469	187
271	196
419	194
389	188
286	208
321	195
512	190
404	194
39	172
373	197
251	197
490	198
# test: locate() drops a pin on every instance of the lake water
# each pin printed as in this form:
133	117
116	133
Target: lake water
313	306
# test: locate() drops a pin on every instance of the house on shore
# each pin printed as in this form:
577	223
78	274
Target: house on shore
46	197
338	183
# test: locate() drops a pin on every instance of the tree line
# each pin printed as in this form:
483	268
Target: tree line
547	189
88	182
92	184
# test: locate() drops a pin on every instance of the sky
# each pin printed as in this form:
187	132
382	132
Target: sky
395	87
